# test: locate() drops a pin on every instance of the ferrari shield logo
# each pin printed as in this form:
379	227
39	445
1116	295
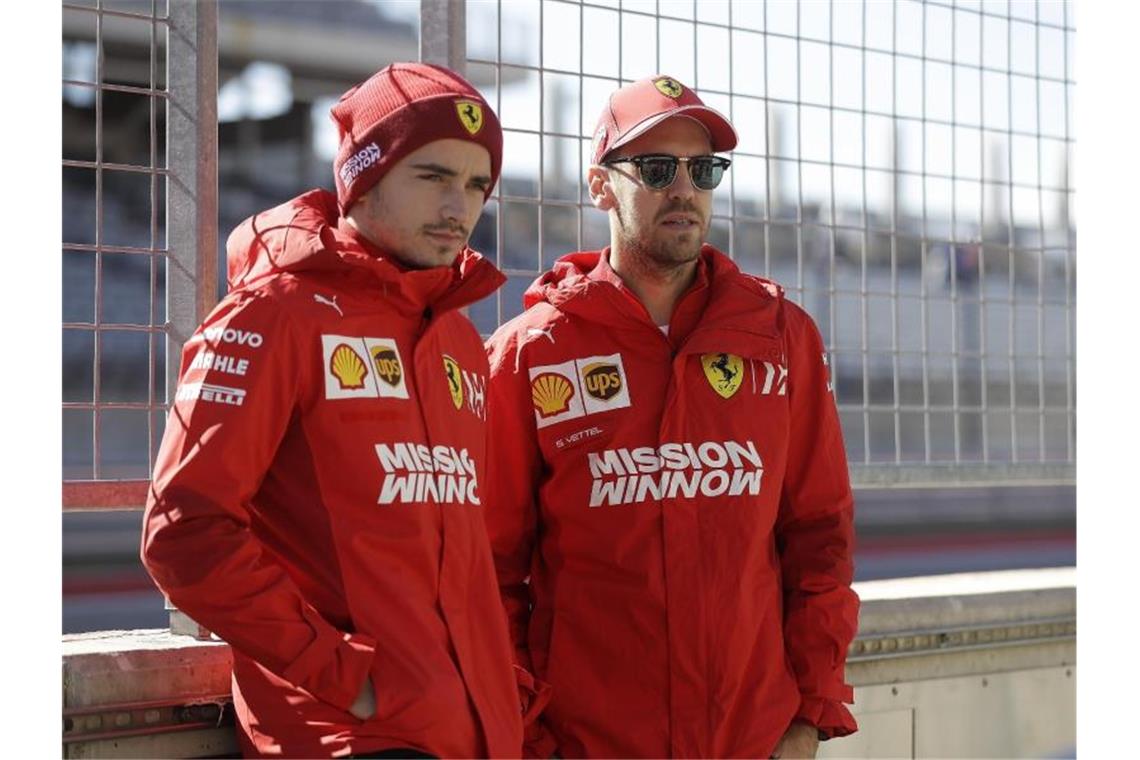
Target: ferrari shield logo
724	372
670	88
470	115
454	381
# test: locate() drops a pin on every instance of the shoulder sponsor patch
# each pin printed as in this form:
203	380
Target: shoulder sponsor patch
356	367
603	380
578	387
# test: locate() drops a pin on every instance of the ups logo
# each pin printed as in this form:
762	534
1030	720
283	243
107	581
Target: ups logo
603	381
387	365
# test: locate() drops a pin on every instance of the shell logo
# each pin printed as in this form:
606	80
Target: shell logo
387	365
551	393
347	367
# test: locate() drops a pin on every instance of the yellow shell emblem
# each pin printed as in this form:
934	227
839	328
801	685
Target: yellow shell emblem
551	394
454	381
348	368
668	87
387	364
470	115
724	372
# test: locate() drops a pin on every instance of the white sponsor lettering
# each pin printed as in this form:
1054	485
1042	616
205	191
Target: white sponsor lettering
476	395
211	361
674	470
574	438
775	375
415	473
216	394
217	335
364	158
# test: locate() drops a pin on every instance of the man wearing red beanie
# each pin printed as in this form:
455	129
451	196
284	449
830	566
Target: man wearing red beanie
317	501
672	523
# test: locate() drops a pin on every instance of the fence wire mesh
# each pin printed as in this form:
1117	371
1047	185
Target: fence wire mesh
904	170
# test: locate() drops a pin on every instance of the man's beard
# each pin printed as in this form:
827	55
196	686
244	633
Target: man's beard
661	250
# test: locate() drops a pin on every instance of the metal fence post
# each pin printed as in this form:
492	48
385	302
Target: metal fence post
191	191
443	34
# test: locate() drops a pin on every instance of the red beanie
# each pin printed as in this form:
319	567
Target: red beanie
399	109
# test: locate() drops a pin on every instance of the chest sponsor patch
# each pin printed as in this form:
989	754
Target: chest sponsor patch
359	367
577	388
454	382
676	471
417	474
725	373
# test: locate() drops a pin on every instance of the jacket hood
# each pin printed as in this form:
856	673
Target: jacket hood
582	283
304	235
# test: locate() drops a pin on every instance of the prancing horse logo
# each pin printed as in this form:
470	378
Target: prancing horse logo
724	372
470	115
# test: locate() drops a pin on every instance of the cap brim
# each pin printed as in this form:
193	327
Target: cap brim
721	133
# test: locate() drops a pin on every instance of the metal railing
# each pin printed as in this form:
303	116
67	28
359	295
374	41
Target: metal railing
153	291
903	171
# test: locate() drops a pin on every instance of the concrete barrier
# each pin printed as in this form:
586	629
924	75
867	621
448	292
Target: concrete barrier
977	665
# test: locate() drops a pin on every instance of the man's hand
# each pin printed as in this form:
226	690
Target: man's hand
365	705
799	741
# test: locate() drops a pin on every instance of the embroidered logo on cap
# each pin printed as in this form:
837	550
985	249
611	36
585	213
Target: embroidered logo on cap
364	158
724	372
470	115
669	87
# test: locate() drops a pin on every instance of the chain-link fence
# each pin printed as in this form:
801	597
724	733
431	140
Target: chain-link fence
904	170
139	229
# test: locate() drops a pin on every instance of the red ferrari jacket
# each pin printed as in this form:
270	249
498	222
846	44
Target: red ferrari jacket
318	498
680	506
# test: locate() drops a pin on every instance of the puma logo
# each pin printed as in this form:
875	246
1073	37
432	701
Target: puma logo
322	300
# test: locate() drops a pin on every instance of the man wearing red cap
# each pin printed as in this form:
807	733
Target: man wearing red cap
318	498
669	508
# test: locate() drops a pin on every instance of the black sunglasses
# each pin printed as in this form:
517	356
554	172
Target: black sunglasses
658	170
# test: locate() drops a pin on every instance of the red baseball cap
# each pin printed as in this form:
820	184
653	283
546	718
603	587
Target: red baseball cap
638	107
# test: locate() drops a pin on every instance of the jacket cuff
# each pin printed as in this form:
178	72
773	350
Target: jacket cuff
534	693
538	742
830	717
333	668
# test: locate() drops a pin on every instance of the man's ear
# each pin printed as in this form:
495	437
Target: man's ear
601	191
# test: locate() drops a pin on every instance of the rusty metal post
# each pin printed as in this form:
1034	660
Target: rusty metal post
191	191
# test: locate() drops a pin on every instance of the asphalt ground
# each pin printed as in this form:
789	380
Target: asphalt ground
899	533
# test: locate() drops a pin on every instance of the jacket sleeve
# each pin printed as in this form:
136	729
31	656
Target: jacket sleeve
514	468
236	397
815	536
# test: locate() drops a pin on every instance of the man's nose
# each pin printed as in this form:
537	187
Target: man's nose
682	185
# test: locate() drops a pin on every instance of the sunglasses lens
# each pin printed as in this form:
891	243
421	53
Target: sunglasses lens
706	172
658	172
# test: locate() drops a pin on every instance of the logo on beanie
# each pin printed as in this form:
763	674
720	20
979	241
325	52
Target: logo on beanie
470	115
669	87
364	158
